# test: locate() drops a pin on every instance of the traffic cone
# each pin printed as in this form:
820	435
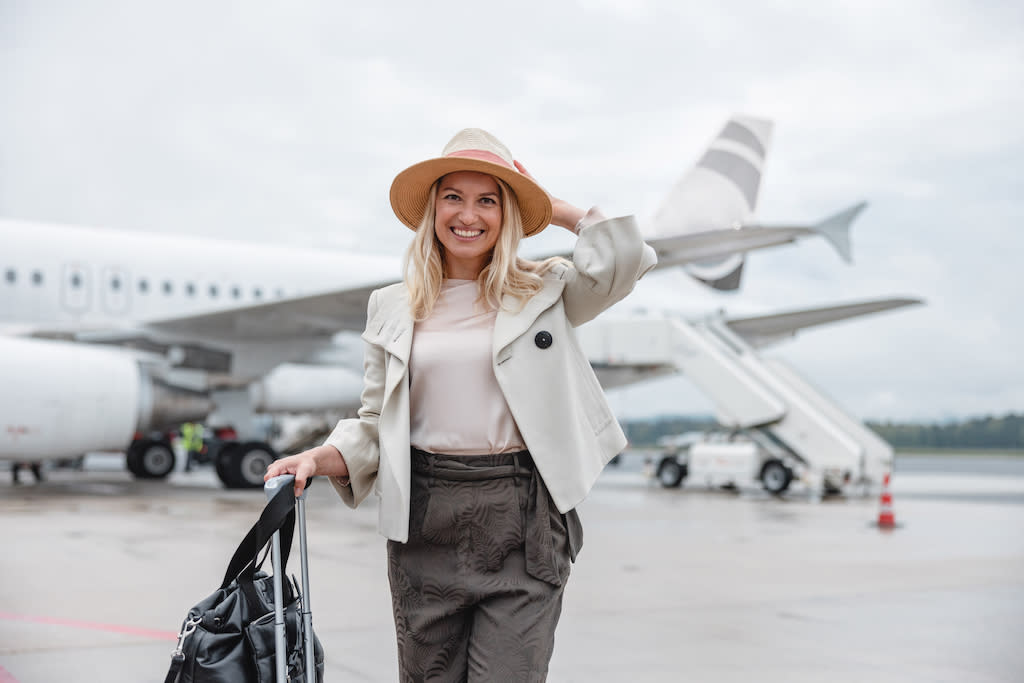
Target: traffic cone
886	518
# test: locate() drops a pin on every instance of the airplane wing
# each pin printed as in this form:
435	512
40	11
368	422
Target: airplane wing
763	330
296	326
682	249
695	247
316	315
700	246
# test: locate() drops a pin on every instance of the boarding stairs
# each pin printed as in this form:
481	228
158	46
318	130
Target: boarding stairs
763	397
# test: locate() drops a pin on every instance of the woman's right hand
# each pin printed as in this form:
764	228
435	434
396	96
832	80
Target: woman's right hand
323	460
563	214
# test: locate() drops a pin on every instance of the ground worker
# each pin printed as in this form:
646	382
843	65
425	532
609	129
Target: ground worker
192	442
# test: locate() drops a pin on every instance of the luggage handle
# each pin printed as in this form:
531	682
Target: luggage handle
274	489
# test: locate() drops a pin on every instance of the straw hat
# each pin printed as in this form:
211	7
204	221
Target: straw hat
471	149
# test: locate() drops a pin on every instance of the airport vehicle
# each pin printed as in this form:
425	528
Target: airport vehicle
110	339
735	461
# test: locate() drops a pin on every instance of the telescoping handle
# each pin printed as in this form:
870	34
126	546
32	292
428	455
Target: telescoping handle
271	487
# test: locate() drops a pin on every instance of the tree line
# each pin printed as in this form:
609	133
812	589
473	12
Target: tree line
979	432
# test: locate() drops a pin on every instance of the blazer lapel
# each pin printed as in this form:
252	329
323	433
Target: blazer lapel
509	325
399	340
392	329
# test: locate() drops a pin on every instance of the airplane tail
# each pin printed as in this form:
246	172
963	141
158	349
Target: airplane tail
836	229
719	193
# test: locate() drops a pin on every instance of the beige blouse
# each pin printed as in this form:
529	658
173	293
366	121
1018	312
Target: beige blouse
456	406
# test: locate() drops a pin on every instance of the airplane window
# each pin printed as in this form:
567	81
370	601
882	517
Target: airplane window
11	276
168	287
279	293
257	293
213	290
143	286
115	283
190	289
37	278
236	292
76	280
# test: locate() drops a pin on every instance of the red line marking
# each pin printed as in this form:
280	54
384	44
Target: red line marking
90	626
6	676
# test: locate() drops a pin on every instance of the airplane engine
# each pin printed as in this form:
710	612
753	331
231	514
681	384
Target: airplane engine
60	399
295	388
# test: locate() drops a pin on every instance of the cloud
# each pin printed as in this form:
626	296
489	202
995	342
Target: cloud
286	123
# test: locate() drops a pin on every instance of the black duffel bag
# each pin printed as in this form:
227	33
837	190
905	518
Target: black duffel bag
229	636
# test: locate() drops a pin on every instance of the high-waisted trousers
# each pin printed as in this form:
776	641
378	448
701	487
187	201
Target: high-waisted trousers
477	589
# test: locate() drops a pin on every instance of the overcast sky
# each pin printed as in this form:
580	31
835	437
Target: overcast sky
285	122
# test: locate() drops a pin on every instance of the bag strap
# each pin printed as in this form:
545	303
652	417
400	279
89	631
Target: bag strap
177	660
279	514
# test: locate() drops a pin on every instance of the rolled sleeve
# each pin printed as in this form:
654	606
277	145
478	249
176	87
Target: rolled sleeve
610	256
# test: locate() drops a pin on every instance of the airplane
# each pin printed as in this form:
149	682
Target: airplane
110	339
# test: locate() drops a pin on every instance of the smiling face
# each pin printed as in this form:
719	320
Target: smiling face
467	221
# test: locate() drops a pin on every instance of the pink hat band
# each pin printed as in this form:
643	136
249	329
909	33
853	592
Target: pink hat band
482	155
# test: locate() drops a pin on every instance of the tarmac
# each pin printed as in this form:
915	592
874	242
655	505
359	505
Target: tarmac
98	571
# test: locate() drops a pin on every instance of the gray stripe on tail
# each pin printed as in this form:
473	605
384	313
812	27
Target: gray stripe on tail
726	283
743	135
741	172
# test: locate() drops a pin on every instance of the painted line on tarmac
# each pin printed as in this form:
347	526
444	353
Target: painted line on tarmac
90	626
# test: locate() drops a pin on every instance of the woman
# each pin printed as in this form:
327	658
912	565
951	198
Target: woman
482	424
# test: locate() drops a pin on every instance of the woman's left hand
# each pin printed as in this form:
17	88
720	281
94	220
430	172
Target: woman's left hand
563	214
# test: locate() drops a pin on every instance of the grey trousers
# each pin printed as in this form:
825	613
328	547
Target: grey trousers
477	589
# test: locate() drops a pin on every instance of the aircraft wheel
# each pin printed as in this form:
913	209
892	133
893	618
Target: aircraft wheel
775	476
222	459
130	461
241	466
670	472
150	459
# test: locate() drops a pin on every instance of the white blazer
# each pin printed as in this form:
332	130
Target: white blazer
550	388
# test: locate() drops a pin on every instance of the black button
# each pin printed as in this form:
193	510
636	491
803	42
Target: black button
543	339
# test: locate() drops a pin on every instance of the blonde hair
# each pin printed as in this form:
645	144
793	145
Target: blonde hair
504	274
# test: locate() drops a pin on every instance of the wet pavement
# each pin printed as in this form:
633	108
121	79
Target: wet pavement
98	571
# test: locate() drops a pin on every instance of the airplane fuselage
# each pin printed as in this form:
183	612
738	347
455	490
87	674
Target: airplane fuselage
75	278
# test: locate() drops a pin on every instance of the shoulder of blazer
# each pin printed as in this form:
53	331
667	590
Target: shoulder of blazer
390	298
392	292
391	309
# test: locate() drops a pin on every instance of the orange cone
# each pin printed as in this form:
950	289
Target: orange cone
886	518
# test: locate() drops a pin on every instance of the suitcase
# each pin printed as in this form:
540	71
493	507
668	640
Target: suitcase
248	630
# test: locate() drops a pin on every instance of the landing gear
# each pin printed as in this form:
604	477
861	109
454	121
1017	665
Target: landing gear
670	472
242	465
775	476
150	458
